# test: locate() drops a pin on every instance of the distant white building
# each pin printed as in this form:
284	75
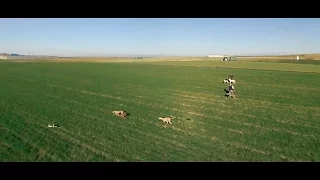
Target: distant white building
3	57
216	56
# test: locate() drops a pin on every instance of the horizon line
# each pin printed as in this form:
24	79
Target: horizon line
140	55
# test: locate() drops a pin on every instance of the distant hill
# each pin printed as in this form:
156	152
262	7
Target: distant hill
312	56
4	54
7	54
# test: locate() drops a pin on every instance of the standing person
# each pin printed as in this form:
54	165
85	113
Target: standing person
231	90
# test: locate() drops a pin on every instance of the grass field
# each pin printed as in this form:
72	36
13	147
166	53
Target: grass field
275	118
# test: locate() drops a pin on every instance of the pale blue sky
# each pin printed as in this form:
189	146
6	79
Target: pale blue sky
159	36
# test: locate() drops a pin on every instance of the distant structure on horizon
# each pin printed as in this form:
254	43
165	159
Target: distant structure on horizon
216	55
19	56
4	55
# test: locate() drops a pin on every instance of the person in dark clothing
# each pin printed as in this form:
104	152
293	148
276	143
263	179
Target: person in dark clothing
230	91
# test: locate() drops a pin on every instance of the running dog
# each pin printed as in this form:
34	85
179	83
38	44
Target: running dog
52	126
167	120
122	114
229	79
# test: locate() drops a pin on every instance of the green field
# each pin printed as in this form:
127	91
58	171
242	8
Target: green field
275	118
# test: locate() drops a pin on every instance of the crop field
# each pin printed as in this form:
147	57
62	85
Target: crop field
276	116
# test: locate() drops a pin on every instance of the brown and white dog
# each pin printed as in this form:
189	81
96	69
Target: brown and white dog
122	114
167	120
